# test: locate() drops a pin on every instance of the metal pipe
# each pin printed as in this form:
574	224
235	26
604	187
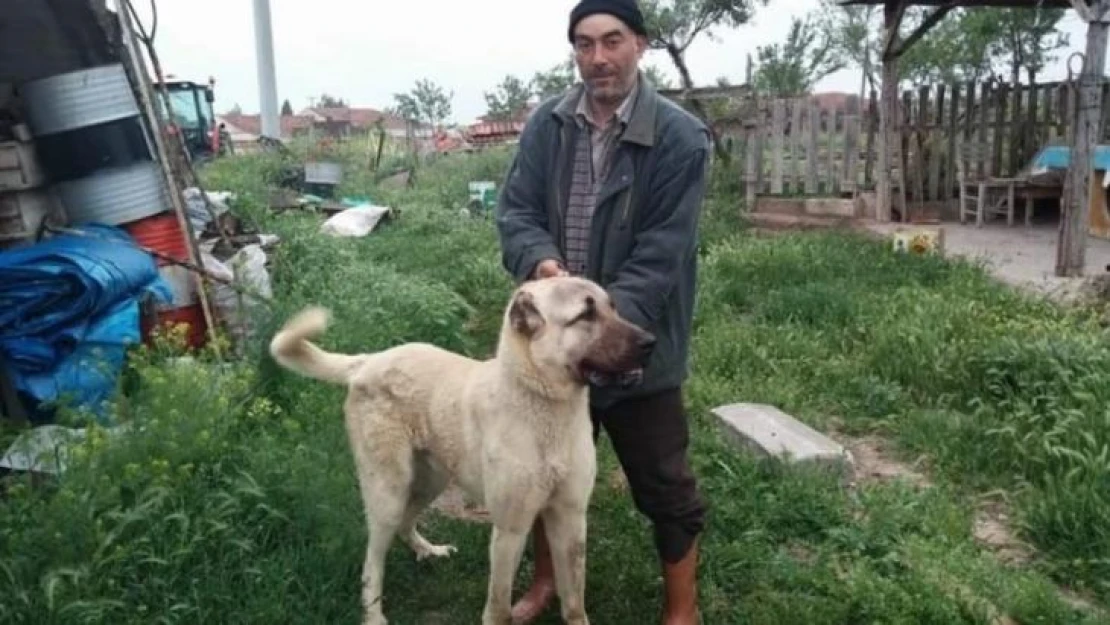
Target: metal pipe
267	81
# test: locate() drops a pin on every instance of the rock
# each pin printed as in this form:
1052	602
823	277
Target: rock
771	432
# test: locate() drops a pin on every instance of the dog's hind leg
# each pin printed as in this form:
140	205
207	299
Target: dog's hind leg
566	533
428	483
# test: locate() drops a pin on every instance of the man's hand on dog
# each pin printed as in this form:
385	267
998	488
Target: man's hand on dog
550	268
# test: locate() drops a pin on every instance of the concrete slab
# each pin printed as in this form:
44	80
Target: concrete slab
770	432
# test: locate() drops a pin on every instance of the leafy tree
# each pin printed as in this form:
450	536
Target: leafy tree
507	99
555	80
328	101
427	102
854	35
286	109
1026	38
673	25
967	44
795	66
656	77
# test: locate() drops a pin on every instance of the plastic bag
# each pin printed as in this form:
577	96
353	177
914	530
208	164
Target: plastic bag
357	221
241	311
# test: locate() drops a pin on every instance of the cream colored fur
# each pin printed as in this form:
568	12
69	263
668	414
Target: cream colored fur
513	431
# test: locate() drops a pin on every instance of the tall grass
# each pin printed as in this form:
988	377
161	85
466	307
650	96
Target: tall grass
232	498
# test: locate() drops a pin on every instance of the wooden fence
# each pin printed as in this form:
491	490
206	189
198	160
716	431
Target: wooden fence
805	146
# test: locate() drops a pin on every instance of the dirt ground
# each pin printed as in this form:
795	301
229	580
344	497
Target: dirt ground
1023	257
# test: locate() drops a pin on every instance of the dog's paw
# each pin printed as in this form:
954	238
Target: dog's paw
435	551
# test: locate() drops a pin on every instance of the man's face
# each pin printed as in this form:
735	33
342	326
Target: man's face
608	54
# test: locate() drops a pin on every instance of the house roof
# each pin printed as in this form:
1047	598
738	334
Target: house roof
252	124
357	117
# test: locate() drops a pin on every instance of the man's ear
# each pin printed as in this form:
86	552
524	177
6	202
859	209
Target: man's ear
523	314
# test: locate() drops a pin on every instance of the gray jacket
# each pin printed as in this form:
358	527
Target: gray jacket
643	245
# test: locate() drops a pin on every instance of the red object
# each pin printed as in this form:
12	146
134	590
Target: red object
192	316
161	233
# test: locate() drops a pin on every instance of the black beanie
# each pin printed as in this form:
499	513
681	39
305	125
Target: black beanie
625	10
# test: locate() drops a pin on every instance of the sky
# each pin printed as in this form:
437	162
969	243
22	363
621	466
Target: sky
366	50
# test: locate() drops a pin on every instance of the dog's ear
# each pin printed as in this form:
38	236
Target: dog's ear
524	315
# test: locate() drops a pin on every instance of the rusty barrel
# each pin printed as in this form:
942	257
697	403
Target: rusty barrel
162	233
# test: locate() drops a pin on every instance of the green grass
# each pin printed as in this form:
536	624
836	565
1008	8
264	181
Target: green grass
235	501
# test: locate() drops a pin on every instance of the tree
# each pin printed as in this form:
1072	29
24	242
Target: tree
1026	38
673	25
286	109
656	77
555	80
854	35
329	101
507	99
427	102
795	66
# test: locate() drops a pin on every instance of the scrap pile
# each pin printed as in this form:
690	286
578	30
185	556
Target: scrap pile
99	247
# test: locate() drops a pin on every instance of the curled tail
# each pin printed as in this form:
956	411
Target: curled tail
292	349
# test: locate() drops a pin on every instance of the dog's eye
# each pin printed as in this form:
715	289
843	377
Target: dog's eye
587	314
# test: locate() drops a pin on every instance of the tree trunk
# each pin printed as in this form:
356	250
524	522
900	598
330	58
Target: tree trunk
1071	247
699	109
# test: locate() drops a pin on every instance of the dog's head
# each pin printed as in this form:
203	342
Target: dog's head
570	329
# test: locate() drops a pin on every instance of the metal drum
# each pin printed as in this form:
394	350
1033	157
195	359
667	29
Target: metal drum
94	145
115	196
79	99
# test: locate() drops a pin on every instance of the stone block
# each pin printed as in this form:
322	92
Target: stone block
771	432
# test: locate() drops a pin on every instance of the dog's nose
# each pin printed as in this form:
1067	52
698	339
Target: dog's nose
646	343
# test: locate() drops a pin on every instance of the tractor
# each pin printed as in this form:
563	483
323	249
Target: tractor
191	115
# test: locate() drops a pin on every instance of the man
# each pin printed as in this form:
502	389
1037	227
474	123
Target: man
608	183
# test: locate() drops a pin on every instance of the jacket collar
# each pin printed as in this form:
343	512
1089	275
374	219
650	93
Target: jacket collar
641	121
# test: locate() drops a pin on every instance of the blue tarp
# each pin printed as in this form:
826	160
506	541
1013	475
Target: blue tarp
1059	157
68	300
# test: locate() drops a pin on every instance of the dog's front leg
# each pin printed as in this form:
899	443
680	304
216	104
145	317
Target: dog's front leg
566	532
505	550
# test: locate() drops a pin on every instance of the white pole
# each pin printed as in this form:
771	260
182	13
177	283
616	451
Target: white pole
267	82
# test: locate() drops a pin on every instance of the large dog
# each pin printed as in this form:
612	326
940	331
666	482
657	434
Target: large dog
513	431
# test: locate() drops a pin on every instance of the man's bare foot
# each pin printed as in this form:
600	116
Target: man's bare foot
534	602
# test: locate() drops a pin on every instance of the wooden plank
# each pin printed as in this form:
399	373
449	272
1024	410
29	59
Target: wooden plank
998	167
850	179
911	171
985	99
872	127
796	138
812	127
1072	244
831	184
1063	112
936	145
778	121
1035	110
888	114
753	166
950	161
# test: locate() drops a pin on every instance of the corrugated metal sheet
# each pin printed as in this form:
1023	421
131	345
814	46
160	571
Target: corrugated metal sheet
115	196
79	99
